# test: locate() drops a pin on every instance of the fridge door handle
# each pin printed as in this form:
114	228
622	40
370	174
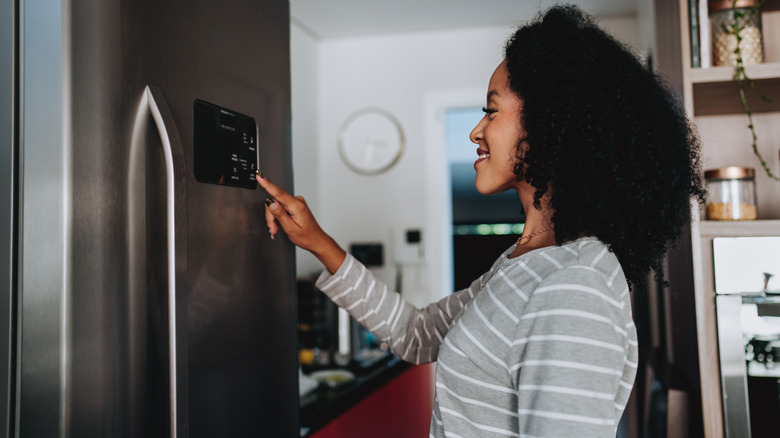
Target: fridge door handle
175	181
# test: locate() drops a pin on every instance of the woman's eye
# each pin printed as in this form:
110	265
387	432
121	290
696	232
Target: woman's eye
489	111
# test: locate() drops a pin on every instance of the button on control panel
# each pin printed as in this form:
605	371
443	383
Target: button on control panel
225	145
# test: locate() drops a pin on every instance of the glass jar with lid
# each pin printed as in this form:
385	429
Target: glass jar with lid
724	43
731	194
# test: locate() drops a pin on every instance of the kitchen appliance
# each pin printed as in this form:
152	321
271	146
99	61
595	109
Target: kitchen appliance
317	326
747	303
328	336
141	294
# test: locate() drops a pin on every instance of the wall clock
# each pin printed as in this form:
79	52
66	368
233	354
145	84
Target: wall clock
371	141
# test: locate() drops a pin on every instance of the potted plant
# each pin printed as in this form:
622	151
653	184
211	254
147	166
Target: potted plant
740	19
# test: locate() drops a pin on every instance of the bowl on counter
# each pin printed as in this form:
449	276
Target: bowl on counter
332	378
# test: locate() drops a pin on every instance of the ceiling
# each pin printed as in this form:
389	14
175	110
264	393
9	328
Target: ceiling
324	19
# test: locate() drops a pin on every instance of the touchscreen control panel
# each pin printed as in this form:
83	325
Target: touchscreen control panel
225	145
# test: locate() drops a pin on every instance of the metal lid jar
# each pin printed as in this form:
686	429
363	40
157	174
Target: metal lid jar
731	194
724	42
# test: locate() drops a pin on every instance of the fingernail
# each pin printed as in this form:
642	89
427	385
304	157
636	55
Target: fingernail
260	173
271	203
271	234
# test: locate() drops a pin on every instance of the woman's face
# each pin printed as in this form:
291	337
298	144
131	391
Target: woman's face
497	135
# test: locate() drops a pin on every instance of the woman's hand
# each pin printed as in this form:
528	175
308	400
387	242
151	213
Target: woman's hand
297	221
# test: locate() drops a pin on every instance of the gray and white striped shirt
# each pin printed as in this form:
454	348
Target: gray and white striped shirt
542	345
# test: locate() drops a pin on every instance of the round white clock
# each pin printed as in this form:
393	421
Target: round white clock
371	141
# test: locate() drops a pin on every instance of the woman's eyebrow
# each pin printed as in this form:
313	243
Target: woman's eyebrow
492	93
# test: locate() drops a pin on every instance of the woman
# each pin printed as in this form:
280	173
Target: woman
605	165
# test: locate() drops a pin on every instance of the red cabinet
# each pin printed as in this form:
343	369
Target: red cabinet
401	408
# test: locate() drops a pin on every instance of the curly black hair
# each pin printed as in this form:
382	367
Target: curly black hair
605	136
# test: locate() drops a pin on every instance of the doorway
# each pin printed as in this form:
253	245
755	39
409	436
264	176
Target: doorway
482	226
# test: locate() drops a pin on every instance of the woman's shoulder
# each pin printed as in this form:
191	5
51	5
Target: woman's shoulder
587	275
586	251
585	260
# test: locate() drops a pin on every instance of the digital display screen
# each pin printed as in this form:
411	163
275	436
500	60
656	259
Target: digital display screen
225	145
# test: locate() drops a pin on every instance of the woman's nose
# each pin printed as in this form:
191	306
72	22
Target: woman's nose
476	133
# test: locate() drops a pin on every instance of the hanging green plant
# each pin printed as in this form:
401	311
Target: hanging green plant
741	18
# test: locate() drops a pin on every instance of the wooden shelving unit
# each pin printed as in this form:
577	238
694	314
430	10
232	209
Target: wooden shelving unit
711	99
715	93
739	229
767	70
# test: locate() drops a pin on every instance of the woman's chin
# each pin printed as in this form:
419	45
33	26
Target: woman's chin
479	188
484	189
492	189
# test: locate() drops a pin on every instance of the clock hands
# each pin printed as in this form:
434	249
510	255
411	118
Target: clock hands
372	142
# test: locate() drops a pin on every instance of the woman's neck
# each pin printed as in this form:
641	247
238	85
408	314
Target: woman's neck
538	231
536	218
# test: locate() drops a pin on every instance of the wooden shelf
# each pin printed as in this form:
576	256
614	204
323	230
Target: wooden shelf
771	5
767	70
714	89
725	142
716	93
740	228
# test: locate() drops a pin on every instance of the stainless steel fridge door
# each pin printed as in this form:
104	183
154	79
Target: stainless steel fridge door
95	320
8	155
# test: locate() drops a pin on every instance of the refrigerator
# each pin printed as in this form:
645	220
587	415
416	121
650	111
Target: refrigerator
141	295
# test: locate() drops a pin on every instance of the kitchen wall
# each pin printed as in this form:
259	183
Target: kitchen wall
305	75
412	75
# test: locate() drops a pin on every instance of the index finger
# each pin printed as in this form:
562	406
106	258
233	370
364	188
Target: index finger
277	192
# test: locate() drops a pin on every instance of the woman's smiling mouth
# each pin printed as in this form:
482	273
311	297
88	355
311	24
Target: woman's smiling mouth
483	154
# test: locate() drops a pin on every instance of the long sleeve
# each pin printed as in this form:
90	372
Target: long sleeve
568	356
413	334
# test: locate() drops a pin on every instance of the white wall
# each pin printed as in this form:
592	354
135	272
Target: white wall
304	52
408	75
395	72
630	29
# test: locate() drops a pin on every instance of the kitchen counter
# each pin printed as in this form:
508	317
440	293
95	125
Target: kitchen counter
325	404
